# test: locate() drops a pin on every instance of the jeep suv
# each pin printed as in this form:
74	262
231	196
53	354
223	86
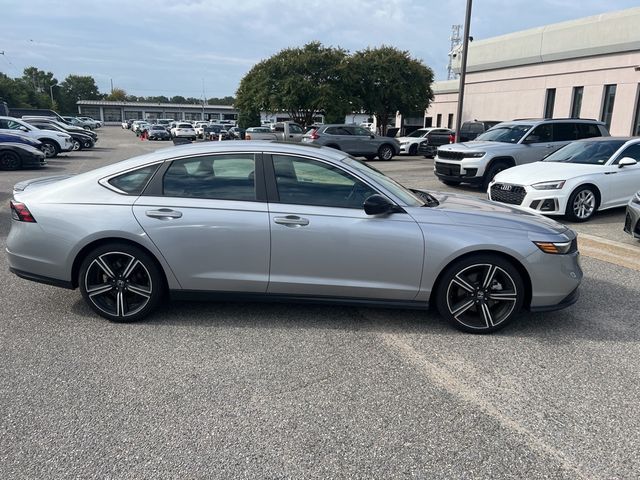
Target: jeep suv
508	144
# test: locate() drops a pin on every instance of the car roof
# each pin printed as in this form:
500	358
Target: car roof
608	139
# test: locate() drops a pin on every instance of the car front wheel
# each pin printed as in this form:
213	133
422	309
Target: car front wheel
9	161
121	282
480	293
385	152
49	148
582	204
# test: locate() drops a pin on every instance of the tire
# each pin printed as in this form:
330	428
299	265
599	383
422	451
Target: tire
494	169
386	152
120	282
49	148
582	204
480	293
413	149
87	145
9	160
77	145
451	183
370	157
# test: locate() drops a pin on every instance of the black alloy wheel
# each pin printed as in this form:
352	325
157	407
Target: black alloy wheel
9	160
480	294
385	152
121	282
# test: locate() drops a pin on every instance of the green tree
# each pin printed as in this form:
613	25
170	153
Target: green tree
221	101
249	118
74	88
178	99
14	92
386	80
117	95
303	82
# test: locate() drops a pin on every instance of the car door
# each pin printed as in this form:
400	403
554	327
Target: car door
208	217
366	144
538	144
624	181
324	244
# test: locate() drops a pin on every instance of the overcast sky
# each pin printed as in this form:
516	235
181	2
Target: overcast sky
174	47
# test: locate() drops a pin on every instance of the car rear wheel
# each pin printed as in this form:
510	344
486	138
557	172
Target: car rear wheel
49	148
480	293
582	204
385	152
121	282
9	161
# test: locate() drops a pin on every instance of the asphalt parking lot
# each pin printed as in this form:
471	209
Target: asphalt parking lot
230	390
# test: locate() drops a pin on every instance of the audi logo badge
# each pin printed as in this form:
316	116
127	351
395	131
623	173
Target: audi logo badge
506	187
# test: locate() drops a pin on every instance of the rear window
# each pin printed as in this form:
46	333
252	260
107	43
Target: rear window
185	125
133	182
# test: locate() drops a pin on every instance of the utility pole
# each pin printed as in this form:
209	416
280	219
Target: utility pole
463	68
111	86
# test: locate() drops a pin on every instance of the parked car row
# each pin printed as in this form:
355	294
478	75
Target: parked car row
177	129
28	141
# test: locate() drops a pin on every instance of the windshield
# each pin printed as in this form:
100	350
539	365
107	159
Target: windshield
394	187
506	133
589	153
417	134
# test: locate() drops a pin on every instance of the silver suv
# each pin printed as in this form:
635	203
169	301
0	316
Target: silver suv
508	144
354	140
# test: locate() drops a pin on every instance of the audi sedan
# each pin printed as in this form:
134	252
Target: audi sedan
275	221
578	180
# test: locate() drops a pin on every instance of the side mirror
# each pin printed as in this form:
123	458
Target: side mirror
626	162
531	139
378	205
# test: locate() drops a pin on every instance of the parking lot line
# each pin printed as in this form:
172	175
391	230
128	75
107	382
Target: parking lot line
609	251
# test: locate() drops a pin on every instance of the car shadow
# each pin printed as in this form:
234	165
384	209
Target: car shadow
591	319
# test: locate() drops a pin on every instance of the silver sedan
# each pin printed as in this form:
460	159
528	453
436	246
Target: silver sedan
274	221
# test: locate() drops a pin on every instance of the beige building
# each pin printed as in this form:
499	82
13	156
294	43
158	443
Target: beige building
587	68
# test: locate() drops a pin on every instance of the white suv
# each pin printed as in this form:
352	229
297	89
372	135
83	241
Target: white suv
509	144
183	130
52	142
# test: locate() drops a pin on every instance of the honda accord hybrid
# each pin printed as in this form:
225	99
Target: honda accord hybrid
275	221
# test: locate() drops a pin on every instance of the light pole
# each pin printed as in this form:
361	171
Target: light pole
51	92
463	68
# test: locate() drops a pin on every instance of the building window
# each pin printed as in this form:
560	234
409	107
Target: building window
576	102
636	120
112	115
549	103
439	120
132	115
450	121
607	104
428	122
93	112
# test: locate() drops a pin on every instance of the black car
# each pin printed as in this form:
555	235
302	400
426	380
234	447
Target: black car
80	139
20	155
214	132
158	132
470	130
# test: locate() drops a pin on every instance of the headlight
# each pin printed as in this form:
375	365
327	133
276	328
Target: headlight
553	185
474	154
636	198
558	248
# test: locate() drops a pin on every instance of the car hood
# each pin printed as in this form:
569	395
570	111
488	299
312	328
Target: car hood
536	172
472	211
476	146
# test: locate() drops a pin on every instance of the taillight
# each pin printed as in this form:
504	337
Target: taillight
20	212
314	135
452	138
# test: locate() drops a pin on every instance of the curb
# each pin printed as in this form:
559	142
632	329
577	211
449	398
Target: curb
609	251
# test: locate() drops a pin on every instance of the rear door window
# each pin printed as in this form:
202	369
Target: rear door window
565	132
588	130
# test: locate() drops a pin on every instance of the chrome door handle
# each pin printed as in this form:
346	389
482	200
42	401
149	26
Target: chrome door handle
163	213
291	221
